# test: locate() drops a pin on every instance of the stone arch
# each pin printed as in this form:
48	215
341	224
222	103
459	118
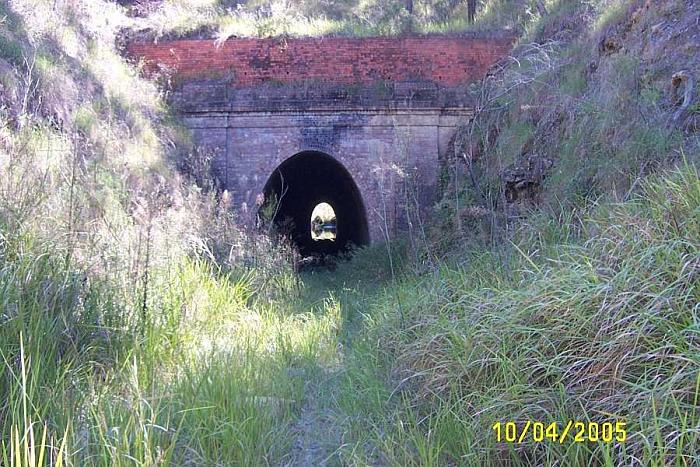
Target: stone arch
299	184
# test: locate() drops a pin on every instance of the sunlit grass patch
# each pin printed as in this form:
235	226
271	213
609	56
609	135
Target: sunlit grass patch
31	442
239	372
212	365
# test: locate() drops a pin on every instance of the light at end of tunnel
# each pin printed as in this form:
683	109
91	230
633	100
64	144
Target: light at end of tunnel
323	223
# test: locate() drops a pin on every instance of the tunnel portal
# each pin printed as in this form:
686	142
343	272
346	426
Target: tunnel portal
386	108
299	185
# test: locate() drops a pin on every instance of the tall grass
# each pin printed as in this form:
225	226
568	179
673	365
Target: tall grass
29	444
606	331
215	375
139	325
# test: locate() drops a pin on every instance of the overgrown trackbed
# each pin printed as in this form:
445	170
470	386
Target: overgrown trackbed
322	432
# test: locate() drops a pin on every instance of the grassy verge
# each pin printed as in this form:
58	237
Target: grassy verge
213	376
605	330
603	327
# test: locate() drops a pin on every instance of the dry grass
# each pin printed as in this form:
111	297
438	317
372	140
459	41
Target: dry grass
105	351
140	325
570	120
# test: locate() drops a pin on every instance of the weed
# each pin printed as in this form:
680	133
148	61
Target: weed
11	51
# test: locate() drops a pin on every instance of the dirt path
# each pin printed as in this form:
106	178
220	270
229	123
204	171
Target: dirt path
322	431
317	435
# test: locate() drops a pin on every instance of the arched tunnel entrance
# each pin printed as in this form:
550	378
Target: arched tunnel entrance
293	194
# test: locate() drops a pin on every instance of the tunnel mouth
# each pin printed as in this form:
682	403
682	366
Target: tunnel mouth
294	192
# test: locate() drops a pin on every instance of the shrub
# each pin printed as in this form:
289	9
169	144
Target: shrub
11	51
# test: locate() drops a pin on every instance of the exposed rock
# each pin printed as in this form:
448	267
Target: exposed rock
682	87
523	179
610	44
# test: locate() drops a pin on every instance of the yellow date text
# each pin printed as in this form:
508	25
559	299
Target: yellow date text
554	432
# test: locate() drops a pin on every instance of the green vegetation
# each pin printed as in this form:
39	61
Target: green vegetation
140	325
601	326
210	363
604	329
256	18
11	51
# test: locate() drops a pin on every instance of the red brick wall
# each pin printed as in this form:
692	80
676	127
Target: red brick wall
446	60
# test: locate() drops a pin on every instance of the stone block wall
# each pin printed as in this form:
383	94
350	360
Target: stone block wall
384	108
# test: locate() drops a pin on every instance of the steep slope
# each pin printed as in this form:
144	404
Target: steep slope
598	96
105	309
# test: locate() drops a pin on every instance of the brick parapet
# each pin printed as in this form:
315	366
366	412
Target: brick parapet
444	60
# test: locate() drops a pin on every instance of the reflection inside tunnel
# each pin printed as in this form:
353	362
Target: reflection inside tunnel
312	199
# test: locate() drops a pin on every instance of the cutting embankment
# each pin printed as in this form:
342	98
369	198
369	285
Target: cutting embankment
140	325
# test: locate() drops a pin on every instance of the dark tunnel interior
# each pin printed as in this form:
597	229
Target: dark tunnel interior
302	182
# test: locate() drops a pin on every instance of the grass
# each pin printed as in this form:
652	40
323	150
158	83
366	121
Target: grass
605	332
314	18
213	364
11	51
139	325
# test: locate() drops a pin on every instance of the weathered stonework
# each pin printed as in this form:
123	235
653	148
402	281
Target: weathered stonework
386	109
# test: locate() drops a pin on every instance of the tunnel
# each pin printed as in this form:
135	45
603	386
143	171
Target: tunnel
298	186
